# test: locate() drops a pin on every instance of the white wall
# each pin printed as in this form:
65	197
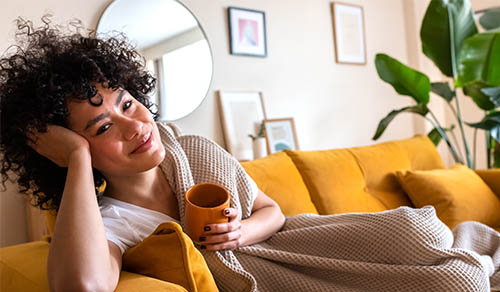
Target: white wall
333	105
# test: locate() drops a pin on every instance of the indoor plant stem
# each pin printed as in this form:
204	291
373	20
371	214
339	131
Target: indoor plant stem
461	125
445	137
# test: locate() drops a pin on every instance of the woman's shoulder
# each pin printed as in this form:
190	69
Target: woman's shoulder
192	143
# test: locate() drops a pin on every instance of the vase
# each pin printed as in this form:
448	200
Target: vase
259	148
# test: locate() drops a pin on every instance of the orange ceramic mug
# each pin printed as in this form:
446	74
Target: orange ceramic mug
204	204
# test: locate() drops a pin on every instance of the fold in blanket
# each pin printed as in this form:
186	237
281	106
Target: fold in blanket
398	250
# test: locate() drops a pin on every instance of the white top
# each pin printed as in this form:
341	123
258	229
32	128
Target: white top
126	224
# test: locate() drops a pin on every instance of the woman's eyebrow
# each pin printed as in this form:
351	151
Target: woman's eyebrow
95	120
119	98
102	116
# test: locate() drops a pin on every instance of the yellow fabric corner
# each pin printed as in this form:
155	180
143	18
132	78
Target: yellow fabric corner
335	181
23	267
457	193
277	177
168	254
135	282
492	178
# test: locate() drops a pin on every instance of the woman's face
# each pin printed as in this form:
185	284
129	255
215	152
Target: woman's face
123	137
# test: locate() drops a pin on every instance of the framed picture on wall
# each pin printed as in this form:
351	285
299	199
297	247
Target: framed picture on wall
280	135
247	32
242	114
349	33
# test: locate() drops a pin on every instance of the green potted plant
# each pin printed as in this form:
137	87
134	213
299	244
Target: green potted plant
471	59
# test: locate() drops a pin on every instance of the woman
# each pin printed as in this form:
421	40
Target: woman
75	113
86	119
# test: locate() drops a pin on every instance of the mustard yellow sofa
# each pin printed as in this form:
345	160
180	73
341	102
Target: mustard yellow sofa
360	179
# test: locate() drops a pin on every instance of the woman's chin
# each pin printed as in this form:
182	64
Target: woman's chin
154	160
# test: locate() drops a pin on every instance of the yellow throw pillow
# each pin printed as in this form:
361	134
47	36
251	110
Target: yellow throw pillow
335	181
457	193
277	177
168	254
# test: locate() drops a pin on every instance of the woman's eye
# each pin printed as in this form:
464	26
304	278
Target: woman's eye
127	104
103	129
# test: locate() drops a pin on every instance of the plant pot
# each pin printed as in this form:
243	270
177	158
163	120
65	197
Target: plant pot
259	148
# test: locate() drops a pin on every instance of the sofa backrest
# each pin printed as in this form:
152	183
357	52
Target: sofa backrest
359	179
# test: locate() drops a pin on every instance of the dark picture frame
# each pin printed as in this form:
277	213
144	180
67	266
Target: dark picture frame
247	32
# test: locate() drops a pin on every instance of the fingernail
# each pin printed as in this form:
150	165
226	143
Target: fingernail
203	238
206	228
226	211
202	247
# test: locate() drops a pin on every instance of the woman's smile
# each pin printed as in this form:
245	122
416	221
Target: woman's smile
145	144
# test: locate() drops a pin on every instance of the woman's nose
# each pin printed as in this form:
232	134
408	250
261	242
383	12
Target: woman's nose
131	128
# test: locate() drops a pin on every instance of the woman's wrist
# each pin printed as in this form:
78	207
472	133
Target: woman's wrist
79	154
263	224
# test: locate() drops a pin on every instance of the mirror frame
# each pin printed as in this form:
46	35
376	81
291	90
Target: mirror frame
160	119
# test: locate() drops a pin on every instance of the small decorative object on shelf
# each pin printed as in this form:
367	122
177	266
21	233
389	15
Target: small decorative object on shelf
259	145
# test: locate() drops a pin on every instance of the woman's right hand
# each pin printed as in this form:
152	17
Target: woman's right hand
57	144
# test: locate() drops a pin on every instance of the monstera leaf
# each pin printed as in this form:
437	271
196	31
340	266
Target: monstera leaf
446	24
443	89
420	109
489	122
479	67
490	19
480	60
494	94
405	80
475	90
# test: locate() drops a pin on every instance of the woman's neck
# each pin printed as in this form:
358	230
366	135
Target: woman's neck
140	189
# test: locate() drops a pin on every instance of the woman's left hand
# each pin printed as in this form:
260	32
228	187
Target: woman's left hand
223	235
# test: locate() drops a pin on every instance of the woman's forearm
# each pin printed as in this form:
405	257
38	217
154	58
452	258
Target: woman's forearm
263	223
79	254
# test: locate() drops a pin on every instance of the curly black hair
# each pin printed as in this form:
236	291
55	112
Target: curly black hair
51	65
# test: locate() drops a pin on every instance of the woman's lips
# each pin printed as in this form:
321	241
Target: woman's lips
145	146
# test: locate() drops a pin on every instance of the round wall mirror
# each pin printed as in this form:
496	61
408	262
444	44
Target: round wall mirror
175	48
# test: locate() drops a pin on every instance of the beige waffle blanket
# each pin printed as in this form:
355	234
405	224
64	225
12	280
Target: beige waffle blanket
399	250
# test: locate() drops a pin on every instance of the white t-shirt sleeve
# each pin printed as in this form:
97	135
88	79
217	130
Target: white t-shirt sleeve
117	229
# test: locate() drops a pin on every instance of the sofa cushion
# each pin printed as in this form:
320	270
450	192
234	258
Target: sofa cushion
335	181
457	193
277	177
168	254
421	152
23	267
378	164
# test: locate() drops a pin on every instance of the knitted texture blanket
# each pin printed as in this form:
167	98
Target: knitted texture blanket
398	250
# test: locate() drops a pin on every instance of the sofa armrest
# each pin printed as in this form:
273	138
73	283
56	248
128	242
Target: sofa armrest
492	178
23	267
